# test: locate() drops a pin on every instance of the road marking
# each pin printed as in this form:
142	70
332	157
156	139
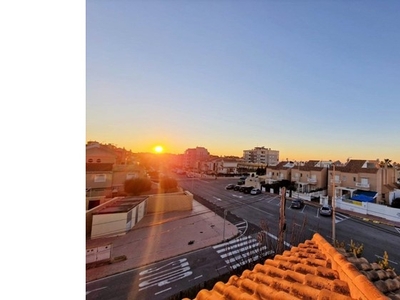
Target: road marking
162	291
88	292
241	251
237	196
197	277
398	229
165	274
217	198
242	227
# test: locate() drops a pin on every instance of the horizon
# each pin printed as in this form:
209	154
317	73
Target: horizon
163	152
309	79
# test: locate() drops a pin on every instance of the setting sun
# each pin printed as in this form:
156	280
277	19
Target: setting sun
158	149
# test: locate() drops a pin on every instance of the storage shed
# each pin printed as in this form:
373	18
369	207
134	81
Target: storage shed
119	217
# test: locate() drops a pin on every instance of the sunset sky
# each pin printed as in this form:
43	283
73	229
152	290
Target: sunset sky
312	79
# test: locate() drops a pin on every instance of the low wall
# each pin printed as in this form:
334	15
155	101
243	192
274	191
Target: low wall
161	203
367	208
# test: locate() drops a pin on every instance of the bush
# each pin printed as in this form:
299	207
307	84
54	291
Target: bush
396	203
136	186
168	183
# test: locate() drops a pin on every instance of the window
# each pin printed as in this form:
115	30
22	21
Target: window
90	160
98	160
100	178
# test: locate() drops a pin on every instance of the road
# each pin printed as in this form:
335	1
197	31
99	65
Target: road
301	223
249	213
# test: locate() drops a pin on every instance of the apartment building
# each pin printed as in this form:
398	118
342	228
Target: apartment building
261	155
193	156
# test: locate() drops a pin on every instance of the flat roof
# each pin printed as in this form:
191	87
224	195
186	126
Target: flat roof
121	205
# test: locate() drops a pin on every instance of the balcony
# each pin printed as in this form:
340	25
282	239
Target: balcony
337	181
362	185
312	180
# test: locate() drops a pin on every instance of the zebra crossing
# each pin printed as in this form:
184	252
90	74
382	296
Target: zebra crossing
241	251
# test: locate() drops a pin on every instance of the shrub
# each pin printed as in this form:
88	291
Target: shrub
168	183
136	186
396	203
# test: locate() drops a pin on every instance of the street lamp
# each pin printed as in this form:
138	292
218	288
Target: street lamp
298	181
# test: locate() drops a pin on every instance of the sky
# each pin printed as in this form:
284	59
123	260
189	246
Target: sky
312	79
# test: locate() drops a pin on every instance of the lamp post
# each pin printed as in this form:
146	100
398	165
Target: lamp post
333	205
298	181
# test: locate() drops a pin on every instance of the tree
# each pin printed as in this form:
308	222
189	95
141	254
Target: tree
168	183
136	186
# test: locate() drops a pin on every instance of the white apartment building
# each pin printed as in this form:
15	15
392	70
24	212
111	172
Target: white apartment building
261	155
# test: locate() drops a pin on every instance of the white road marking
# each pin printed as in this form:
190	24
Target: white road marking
162	291
88	292
217	198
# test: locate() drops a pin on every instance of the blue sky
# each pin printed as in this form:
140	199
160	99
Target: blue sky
312	79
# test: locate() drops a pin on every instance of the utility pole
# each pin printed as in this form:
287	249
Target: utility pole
282	222
333	206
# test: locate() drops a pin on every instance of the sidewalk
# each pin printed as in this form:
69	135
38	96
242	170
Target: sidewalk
161	236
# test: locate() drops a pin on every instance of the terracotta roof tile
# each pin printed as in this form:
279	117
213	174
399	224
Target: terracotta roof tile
386	281
312	270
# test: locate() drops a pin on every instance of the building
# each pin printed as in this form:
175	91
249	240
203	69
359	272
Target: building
193	156
107	169
361	180
261	155
310	176
281	171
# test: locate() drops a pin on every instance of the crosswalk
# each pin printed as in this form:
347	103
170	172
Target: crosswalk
241	251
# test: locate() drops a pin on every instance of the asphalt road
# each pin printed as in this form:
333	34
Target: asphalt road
263	209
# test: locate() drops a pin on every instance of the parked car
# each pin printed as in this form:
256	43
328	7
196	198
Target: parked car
247	189
230	186
325	210
236	187
297	203
255	191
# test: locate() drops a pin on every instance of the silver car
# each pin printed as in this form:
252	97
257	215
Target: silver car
325	210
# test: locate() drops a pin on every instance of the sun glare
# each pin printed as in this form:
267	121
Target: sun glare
158	149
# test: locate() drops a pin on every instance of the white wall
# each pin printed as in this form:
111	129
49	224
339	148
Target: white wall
367	208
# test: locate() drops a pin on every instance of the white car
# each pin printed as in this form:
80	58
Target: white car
255	191
325	210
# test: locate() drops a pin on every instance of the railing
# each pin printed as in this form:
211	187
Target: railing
362	185
337	181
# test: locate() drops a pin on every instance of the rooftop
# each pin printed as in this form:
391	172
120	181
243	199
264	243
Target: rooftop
313	270
121	205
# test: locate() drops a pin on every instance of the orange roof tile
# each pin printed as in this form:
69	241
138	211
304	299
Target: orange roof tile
313	270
